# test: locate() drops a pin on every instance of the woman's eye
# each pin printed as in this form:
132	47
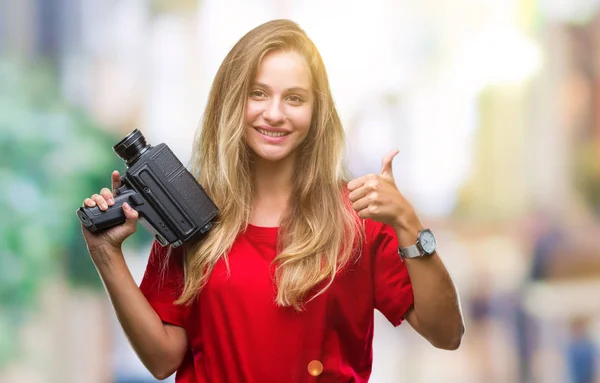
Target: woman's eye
257	94
295	99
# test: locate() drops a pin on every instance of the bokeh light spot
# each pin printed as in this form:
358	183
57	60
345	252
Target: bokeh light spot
315	368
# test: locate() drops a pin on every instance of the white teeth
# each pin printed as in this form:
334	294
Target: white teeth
272	134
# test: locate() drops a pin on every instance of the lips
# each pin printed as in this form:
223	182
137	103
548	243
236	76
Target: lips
271	133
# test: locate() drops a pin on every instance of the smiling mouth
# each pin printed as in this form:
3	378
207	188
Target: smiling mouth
271	134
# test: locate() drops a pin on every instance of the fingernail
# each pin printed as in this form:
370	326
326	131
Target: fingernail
111	201
104	206
126	206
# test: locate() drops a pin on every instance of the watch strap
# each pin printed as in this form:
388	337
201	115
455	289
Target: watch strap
410	252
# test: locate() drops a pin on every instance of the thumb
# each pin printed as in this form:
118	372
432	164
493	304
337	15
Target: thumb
131	216
386	163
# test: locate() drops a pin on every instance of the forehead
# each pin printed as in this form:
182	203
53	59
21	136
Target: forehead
287	68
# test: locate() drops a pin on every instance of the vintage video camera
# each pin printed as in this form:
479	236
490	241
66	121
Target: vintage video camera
172	205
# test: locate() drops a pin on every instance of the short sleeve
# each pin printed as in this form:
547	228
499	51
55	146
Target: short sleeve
391	282
162	283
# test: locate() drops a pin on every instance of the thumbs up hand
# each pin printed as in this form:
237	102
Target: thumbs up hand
376	196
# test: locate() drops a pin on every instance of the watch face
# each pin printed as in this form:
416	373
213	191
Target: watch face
427	241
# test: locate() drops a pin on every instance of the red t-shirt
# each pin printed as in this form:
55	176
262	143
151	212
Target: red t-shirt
236	333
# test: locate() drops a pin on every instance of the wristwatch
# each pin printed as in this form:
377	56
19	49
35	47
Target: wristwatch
425	245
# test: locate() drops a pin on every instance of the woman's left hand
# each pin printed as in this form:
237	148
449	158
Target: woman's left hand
376	196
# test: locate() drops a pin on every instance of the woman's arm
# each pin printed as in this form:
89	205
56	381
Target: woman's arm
161	347
436	313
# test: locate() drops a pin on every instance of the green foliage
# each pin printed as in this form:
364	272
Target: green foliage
52	156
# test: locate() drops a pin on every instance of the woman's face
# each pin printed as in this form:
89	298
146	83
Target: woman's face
279	106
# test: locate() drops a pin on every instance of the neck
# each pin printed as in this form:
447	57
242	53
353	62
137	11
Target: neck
272	189
272	179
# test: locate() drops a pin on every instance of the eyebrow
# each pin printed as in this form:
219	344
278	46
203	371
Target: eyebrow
293	89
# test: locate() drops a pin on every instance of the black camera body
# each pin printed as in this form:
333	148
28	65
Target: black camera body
171	204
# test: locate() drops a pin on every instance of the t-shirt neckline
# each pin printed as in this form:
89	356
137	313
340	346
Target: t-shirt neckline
262	232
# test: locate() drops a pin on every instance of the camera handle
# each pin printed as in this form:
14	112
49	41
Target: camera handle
96	220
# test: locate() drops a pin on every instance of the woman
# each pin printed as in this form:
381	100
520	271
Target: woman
284	286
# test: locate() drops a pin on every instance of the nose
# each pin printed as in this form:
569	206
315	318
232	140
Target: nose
273	114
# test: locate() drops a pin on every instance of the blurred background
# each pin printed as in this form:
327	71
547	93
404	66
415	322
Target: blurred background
494	105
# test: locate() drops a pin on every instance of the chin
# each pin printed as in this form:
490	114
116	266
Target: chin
272	156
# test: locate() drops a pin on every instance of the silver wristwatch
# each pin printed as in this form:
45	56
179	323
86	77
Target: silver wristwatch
425	245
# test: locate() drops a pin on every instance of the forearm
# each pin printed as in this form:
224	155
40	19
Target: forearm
436	302
143	327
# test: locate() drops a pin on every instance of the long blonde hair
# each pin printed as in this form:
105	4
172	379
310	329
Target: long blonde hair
319	230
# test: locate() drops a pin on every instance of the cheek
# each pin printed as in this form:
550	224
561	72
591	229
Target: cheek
252	112
302	118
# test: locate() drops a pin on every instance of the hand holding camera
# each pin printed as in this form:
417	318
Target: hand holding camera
112	237
156	189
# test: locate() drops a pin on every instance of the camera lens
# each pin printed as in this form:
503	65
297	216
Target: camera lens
131	147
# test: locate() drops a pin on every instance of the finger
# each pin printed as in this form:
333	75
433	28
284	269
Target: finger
115	180
100	201
89	202
386	163
361	204
361	192
360	181
108	196
355	184
130	213
131	216
366	212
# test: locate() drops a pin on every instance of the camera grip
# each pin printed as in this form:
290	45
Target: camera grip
96	220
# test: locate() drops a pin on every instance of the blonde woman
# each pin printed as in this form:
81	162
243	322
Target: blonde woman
284	286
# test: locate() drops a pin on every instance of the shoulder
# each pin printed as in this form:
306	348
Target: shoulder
377	240
164	271
374	231
163	257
